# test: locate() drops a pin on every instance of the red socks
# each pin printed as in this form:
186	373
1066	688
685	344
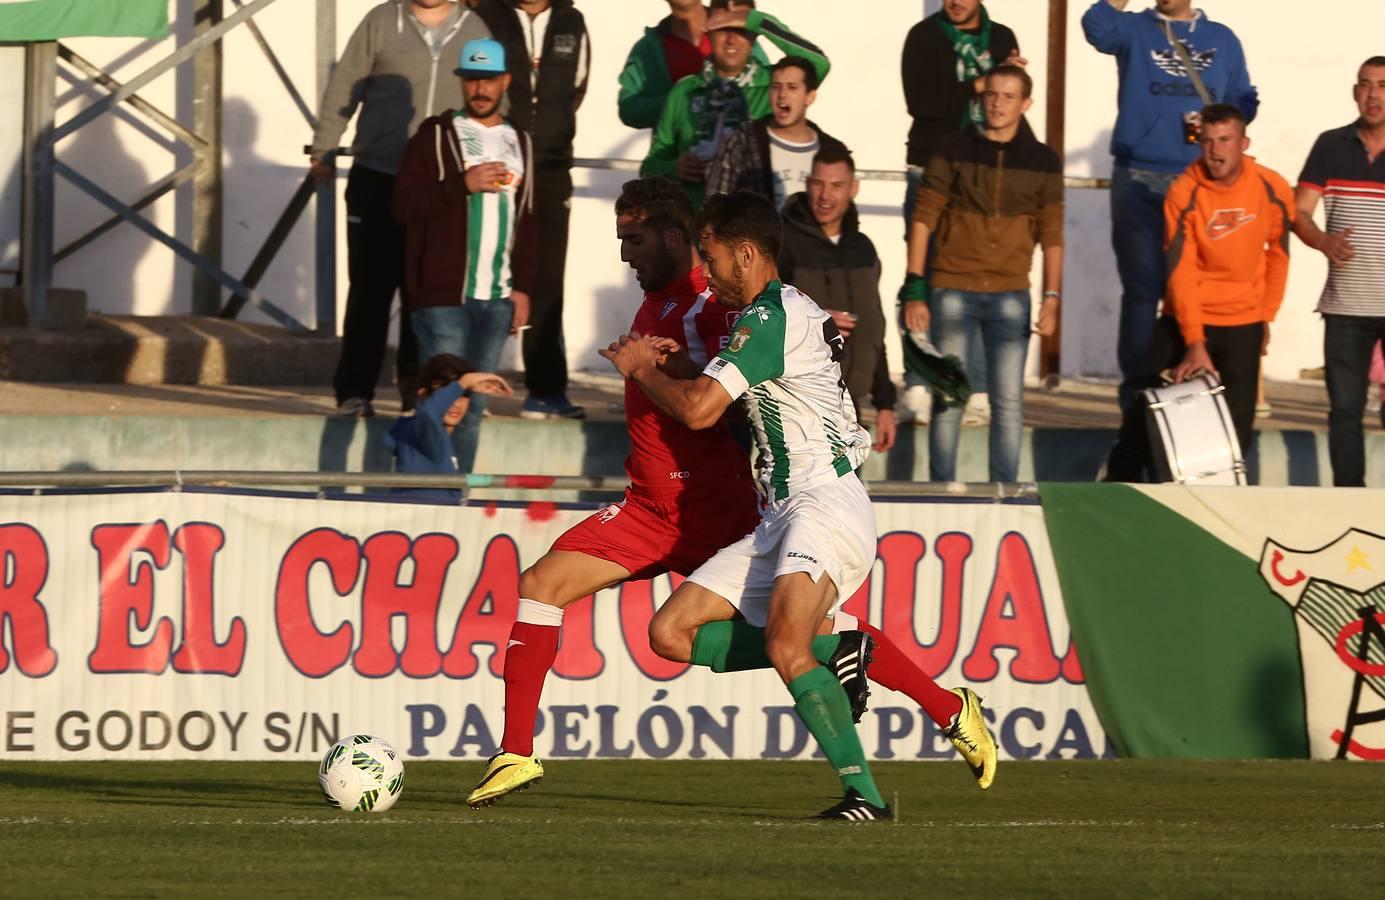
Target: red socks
890	668
532	648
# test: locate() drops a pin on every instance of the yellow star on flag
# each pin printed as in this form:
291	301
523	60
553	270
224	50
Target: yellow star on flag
1357	559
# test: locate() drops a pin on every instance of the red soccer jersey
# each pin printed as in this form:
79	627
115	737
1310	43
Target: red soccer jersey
666	457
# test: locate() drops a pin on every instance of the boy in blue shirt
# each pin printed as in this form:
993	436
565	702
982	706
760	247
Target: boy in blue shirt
1156	139
422	443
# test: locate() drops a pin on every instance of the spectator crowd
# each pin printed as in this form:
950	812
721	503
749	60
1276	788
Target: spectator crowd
460	187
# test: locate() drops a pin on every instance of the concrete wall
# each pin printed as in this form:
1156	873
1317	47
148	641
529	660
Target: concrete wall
1304	90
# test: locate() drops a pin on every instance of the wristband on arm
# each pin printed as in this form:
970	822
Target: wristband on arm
915	288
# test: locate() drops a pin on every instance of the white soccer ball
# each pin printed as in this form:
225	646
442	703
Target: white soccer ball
361	773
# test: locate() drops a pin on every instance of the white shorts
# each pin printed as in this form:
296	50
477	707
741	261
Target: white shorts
826	529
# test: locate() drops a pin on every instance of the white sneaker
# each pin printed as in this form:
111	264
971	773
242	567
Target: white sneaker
356	407
978	411
916	405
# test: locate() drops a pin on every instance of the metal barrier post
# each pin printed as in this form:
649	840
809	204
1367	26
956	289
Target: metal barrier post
206	185
36	225
325	212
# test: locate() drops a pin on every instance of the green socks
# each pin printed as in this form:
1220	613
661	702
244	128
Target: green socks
823	707
738	647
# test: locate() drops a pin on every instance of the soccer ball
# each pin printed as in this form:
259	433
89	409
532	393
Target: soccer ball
361	773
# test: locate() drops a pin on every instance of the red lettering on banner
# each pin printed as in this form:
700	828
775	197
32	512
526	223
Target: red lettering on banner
489	611
309	650
23	572
127	592
1072	667
900	552
199	542
636	610
383	598
1016	586
578	657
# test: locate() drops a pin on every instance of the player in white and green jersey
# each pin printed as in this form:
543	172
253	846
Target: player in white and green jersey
491	215
784	355
815	544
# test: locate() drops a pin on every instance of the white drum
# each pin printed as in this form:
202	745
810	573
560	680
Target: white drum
1196	440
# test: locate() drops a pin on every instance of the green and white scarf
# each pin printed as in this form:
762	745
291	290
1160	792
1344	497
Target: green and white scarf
973	53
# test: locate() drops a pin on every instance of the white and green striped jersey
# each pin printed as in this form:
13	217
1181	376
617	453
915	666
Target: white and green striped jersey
784	357
491	216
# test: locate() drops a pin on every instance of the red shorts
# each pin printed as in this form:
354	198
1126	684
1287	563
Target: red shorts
651	536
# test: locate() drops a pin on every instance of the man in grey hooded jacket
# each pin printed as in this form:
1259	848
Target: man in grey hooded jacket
397	70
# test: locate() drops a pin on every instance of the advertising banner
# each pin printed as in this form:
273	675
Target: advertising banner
1226	622
224	625
51	20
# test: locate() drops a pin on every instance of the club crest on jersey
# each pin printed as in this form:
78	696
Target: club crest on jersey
669	307
739	339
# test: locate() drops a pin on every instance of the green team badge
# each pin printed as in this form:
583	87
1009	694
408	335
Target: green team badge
739	339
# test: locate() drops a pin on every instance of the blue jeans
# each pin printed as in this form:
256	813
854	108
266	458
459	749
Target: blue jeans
1137	236
1347	345
976	374
1001	322
475	331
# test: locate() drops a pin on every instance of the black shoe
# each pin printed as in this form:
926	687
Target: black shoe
855	809
849	664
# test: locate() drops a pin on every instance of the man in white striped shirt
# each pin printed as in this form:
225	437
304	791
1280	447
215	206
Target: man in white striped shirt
1346	169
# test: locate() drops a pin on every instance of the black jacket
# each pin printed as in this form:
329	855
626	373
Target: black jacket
546	110
844	276
936	99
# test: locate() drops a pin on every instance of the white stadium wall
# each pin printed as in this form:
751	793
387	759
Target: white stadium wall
1304	89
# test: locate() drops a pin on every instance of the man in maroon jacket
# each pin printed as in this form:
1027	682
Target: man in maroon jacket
465	198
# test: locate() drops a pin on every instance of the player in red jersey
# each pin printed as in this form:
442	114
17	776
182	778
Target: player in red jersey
691	492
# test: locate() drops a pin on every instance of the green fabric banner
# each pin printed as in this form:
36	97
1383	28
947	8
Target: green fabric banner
1186	651
23	21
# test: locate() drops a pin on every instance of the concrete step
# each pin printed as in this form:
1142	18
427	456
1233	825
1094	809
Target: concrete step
169	350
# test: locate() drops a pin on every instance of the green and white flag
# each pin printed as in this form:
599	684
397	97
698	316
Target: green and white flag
1224	622
24	21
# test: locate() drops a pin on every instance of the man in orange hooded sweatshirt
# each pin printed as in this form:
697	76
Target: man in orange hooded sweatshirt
1227	221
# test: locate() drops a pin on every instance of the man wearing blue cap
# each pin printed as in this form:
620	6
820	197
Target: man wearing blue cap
465	198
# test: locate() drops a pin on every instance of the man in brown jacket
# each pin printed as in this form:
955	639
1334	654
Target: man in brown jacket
989	194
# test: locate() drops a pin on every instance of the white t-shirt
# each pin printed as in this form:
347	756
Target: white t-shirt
490	216
791	163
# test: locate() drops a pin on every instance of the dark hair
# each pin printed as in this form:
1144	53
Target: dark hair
1004	70
660	202
743	216
441	370
726	4
832	152
1375	62
1221	113
810	74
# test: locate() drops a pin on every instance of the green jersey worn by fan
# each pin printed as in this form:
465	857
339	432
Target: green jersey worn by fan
816	541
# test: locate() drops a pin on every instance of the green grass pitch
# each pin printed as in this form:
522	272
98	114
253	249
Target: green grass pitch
598	829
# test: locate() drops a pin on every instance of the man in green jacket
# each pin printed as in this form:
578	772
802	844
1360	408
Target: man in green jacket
673	49
731	89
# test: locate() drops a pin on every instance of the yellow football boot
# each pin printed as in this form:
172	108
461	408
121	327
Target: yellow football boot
505	774
972	738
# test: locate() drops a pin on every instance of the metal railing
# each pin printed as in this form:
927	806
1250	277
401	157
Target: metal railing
633	165
203	140
176	478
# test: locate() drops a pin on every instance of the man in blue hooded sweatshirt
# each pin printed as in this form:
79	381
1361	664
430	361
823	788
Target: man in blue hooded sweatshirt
1156	138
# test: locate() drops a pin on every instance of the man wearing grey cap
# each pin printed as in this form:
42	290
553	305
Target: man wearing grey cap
394	70
465	198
